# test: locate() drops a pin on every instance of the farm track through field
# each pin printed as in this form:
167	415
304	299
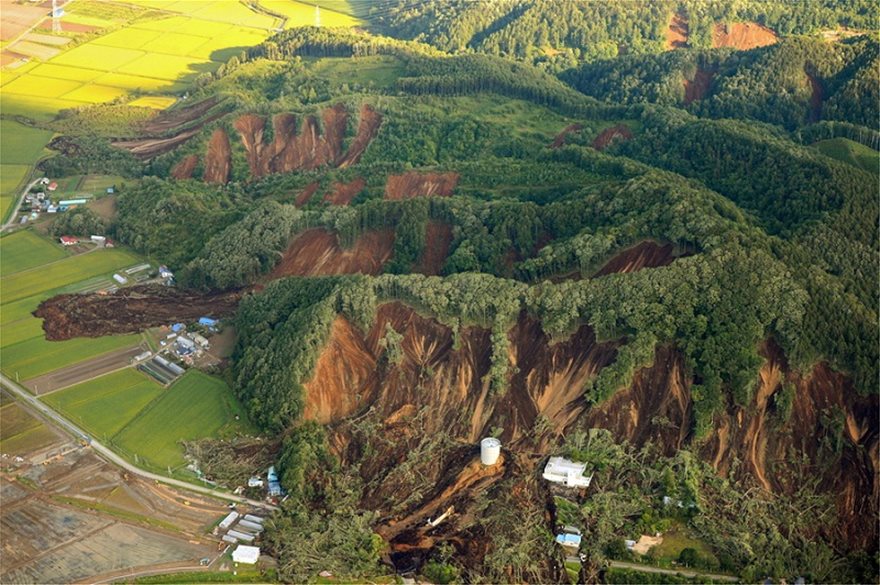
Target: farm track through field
83	371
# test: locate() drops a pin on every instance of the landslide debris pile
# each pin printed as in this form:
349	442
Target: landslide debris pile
129	310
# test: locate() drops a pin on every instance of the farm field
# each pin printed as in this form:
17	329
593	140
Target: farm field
25	249
303	13
103	406
64	272
196	406
20	144
20	432
11	178
35	356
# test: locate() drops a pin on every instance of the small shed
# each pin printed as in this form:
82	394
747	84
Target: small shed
247	555
178	327
572	540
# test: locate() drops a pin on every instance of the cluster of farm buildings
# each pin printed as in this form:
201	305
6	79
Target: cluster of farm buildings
40	200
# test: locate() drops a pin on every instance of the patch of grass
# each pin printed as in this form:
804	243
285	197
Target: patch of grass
241	576
851	152
196	406
677	539
36	356
25	249
378	70
103	406
64	272
20	144
12	178
156	102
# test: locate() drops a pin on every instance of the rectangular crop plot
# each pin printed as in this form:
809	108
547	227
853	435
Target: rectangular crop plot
175	44
65	72
106	404
21	433
25	249
63	273
95	56
124	81
37	356
231	43
34	85
11	178
127	38
95	94
35	50
20	144
202	28
168	67
196	406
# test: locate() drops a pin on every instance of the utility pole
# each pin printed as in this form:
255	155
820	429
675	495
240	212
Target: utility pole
56	17
317	16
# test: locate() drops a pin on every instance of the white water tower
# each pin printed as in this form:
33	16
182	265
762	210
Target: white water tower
490	450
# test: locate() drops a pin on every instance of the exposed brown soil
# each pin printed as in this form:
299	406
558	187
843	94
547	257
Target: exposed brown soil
677	33
218	159
344	193
304	148
305	195
104	207
438	237
647	254
316	252
368	126
609	135
817	94
696	89
71	27
559	141
184	169
172	119
416	184
147	148
129	310
742	35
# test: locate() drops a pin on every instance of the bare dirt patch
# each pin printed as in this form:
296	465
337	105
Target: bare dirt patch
647	254
172	119
218	159
104	207
17	18
559	141
129	310
677	33
416	184
147	148
343	193
438	237
742	35
81	372
184	169
613	134
306	194
71	27
696	89
316	252
368	127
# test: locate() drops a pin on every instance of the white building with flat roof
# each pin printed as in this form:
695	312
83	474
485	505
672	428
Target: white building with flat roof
249	555
568	473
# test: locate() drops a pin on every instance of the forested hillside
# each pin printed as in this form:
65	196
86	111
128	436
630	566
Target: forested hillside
436	241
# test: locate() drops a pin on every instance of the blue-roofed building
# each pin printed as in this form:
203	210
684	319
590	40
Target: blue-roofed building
208	322
271	474
177	327
572	540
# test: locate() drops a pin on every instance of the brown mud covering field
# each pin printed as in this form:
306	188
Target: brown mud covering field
129	310
677	33
344	193
609	135
559	141
416	184
316	252
696	89
742	35
68	517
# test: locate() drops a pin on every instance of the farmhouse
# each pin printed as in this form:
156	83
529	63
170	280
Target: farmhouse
69	240
567	473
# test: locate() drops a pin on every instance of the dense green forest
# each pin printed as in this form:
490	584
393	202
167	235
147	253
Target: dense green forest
762	188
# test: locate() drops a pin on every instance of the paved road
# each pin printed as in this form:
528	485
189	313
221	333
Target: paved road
116	459
14	213
685	572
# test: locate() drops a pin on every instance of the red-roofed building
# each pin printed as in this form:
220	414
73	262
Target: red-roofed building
69	240
52	186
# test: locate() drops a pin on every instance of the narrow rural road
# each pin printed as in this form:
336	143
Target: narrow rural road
685	572
14	211
116	459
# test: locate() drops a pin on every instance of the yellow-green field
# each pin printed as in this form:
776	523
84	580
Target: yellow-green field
303	13
20	433
25	249
104	405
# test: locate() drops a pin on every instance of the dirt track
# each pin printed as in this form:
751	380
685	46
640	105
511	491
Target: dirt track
129	310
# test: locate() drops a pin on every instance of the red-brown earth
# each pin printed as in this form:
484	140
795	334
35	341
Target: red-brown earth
559	140
697	88
612	134
416	184
344	193
316	252
677	33
742	35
